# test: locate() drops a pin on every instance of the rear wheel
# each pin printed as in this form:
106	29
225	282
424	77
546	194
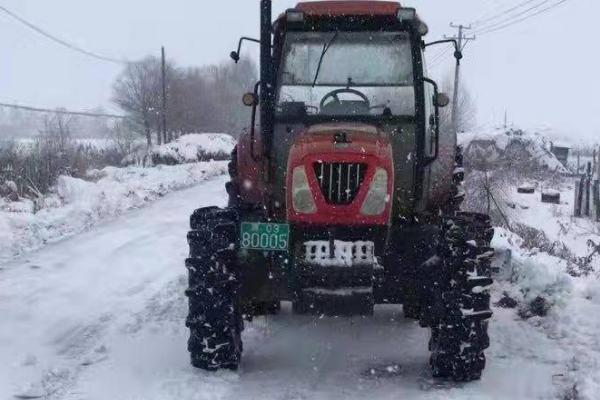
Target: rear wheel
456	294
215	318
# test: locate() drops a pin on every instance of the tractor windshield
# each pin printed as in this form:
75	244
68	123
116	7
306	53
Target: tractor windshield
347	74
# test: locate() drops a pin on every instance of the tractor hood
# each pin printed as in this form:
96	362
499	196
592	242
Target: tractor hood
332	169
342	138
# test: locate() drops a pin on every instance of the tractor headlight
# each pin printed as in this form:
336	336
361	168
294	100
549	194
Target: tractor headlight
302	197
378	195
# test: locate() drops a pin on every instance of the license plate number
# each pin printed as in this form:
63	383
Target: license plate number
265	236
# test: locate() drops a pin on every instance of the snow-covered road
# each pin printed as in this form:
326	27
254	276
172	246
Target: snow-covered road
101	316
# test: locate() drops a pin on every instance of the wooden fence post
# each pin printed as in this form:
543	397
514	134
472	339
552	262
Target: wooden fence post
578	198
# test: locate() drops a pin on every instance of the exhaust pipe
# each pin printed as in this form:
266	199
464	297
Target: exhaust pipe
267	81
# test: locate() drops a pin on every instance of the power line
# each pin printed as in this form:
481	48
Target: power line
483	20
445	54
495	7
440	53
440	62
441	57
62	112
542	11
60	41
514	16
435	54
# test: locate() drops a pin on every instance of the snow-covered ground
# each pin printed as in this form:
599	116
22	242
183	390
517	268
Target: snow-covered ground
101	316
555	220
573	321
76	204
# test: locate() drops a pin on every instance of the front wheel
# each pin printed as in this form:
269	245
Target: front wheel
215	317
456	294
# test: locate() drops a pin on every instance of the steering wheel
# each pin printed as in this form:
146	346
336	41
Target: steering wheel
336	99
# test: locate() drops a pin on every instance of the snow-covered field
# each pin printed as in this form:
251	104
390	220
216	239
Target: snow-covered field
101	316
555	220
76	205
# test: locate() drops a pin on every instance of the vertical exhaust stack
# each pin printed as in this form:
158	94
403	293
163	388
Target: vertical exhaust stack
267	86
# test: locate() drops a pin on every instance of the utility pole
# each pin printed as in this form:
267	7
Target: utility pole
164	96
462	41
505	119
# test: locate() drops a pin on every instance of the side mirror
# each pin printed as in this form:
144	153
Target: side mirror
250	100
235	55
441	100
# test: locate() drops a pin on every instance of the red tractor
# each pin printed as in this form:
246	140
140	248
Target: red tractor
346	194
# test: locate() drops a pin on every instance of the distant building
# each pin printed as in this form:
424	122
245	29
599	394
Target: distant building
481	153
561	153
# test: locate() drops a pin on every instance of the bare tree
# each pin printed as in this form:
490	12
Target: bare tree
206	99
467	110
123	138
138	92
57	130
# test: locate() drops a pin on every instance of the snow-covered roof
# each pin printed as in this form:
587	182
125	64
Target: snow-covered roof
537	145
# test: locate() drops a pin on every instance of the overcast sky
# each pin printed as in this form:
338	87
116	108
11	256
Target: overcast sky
544	72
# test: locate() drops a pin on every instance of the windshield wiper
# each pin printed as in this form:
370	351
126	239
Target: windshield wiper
326	47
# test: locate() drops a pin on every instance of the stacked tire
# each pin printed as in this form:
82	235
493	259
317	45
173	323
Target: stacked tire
215	318
455	292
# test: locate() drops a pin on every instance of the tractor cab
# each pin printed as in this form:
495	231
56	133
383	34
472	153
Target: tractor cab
334	66
353	72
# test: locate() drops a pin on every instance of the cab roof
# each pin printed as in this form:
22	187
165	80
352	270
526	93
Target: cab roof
349	8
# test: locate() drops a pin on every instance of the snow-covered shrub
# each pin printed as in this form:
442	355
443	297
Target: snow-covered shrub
9	190
34	167
186	149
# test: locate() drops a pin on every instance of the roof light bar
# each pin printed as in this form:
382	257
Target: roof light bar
407	14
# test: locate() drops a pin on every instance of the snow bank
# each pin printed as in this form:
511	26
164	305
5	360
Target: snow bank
569	307
188	148
532	275
75	205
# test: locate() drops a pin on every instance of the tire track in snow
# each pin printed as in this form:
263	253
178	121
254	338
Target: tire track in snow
86	288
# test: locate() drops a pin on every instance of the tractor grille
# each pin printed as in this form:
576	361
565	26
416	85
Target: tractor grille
340	182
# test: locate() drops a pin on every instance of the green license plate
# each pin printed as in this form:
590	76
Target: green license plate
265	237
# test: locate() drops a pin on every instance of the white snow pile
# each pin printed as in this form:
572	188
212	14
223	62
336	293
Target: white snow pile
509	145
562	307
532	275
76	205
190	148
